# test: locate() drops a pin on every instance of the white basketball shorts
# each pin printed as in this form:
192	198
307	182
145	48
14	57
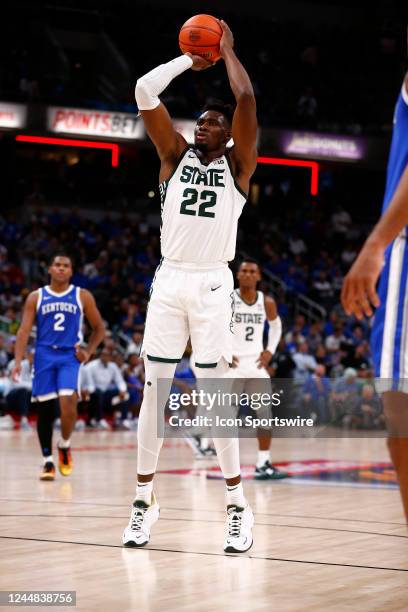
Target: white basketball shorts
190	301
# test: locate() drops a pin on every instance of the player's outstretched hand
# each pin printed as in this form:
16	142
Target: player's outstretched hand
264	359
235	361
359	294
81	354
16	372
199	63
227	38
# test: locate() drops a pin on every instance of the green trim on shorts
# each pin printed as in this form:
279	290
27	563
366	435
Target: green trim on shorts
163	359
206	365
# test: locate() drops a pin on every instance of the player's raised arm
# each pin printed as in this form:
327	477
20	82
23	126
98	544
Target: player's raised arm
23	334
94	318
244	123
169	143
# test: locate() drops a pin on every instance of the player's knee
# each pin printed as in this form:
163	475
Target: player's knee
68	403
213	370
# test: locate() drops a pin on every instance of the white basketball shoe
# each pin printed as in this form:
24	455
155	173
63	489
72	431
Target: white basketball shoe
143	517
239	529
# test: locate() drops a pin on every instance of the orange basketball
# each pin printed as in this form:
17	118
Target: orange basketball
201	35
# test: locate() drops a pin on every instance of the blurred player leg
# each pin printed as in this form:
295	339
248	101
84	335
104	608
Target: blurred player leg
396	412
46	412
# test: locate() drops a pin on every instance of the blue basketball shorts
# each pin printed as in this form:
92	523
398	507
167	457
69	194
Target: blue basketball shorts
55	373
389	334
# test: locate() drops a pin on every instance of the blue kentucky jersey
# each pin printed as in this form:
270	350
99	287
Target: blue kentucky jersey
398	158
59	318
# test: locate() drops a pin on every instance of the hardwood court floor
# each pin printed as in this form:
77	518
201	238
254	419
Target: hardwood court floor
317	547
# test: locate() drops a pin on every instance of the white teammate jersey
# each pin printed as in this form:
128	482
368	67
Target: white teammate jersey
200	207
249	324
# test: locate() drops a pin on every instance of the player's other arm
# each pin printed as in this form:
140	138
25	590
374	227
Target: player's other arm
274	333
244	123
23	334
359	293
359	288
169	143
94	318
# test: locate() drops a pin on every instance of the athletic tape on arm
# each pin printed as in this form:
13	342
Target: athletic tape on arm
149	87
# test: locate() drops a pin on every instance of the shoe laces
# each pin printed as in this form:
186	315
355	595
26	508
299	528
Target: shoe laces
234	522
137	517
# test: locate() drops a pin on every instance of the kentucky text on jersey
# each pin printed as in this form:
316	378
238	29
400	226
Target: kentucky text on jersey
59	307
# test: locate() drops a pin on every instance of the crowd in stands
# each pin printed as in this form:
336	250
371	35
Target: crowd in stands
338	77
116	259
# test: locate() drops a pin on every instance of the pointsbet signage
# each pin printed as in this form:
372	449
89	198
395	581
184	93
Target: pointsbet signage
99	123
12	115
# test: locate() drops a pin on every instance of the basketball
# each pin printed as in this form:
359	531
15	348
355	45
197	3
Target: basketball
201	35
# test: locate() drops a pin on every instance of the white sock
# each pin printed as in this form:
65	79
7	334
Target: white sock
144	492
235	496
263	456
64	443
48	459
227	448
148	441
204	443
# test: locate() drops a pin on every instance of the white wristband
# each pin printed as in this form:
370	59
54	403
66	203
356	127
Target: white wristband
149	87
274	334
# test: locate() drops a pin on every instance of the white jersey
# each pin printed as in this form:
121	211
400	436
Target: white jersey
249	324
200	207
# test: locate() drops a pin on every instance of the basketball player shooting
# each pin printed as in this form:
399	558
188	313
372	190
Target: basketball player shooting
385	254
57	310
252	310
203	191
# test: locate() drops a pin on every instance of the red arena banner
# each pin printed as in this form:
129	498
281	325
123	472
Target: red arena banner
12	116
100	123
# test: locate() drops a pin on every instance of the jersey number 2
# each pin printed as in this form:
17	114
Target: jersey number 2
208	199
59	320
249	332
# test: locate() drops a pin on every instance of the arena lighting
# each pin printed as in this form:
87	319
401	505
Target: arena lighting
68	142
314	166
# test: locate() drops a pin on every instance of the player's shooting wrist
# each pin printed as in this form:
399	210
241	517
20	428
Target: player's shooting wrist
227	51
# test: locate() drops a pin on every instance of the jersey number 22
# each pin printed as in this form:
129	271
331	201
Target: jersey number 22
208	199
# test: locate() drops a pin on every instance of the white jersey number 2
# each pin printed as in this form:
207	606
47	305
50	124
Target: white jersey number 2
59	320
